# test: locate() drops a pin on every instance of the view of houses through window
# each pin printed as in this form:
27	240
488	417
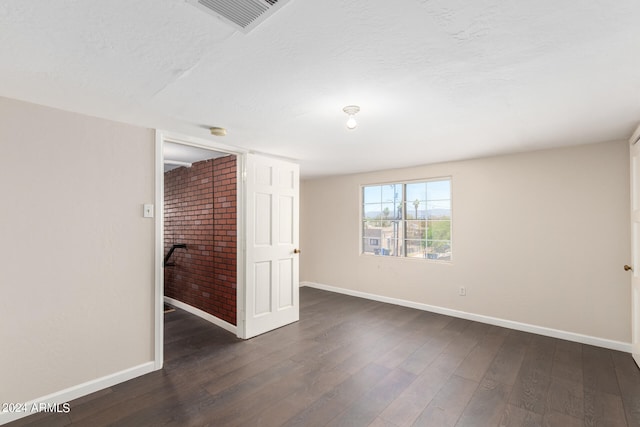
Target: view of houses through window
411	219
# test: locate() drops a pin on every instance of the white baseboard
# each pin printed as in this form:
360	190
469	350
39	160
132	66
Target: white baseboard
202	314
525	327
71	393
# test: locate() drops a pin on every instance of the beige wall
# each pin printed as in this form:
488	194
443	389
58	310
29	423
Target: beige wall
538	238
76	256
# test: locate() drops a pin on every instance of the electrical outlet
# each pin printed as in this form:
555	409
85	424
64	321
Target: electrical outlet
463	291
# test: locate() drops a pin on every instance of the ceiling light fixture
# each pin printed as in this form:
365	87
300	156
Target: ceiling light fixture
351	110
218	131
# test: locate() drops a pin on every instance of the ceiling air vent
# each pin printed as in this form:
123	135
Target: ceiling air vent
243	15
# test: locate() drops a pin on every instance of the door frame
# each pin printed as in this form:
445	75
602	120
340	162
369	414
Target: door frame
634	173
166	136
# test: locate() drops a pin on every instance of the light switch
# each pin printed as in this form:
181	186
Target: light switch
148	211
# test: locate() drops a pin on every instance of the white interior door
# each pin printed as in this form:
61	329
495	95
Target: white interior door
271	298
635	245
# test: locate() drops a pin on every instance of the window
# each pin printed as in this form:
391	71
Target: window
411	219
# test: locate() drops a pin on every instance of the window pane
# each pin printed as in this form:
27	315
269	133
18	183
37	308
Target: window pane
439	249
393	247
371	224
439	230
416	248
417	191
392	239
372	211
371	239
389	211
416	229
372	194
382	237
392	193
387	245
439	190
416	209
440	209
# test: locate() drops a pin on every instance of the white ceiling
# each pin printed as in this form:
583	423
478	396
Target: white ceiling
436	80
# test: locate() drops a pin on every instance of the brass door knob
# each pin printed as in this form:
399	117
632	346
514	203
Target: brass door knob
627	268
296	251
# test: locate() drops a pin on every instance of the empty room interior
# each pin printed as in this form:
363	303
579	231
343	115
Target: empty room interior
297	213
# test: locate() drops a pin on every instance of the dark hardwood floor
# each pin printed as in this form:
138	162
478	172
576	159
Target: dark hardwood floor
354	362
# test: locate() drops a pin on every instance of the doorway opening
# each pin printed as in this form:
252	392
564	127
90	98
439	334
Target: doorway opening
263	247
200	232
200	216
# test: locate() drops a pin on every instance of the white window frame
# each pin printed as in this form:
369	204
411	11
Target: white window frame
404	217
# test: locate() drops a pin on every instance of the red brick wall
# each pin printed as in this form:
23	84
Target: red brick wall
200	211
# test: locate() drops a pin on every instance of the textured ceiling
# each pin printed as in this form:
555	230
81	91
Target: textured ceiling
435	80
